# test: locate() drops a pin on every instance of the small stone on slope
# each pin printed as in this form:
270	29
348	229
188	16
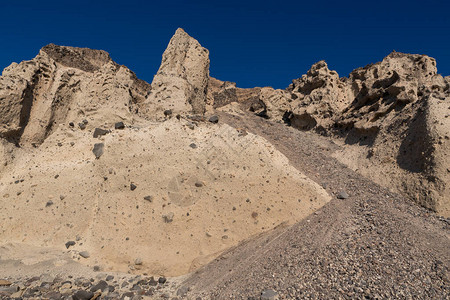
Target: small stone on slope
98	150
214	119
84	254
119	125
99	132
70	243
342	195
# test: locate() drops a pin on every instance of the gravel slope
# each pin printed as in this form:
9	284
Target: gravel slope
374	244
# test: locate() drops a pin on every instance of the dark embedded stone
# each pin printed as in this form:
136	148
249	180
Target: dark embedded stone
49	203
178	117
214	119
82	295
98	150
109	277
71	124
101	285
99	132
168	112
82	126
70	243
133	186
85	122
198	184
148	198
193	145
162	280
96	268
119	125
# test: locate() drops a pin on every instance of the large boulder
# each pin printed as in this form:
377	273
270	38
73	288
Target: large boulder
182	80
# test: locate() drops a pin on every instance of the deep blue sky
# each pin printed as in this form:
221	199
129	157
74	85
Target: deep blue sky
254	43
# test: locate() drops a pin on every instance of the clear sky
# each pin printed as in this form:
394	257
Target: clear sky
253	43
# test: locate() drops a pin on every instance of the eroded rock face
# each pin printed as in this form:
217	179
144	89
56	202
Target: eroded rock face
62	85
396	108
221	93
182	79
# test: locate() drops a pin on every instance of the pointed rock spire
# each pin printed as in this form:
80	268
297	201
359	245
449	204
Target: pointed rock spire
182	79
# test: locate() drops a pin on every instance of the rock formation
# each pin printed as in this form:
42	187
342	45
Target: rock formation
396	109
62	85
86	166
180	85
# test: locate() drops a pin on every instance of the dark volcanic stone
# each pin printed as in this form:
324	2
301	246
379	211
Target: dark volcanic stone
162	280
119	125
99	132
133	186
214	119
83	295
70	243
101	285
193	145
168	112
82	126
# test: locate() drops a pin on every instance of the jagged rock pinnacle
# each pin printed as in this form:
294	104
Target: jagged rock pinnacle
182	79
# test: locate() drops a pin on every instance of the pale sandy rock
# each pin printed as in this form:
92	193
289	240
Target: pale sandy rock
62	85
275	102
317	97
182	79
395	109
117	225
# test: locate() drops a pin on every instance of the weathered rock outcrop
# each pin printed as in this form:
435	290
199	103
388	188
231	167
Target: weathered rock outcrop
221	93
62	85
182	79
397	108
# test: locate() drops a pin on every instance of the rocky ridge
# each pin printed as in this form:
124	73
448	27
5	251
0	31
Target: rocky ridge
392	115
102	172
